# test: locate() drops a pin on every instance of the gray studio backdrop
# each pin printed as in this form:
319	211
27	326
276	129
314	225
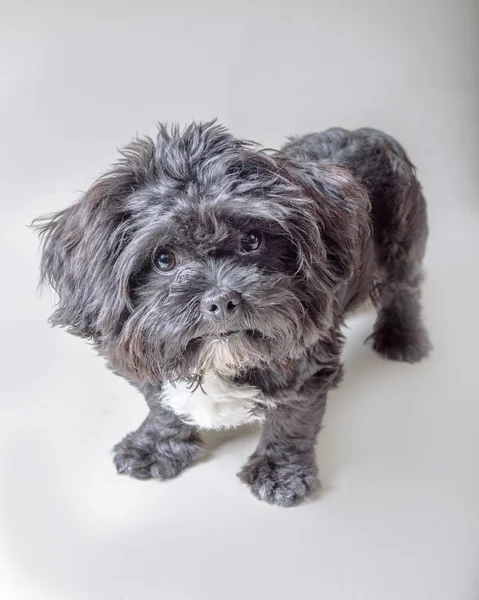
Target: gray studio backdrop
80	78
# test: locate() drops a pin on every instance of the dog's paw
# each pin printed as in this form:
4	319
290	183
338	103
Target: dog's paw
146	456
397	340
284	481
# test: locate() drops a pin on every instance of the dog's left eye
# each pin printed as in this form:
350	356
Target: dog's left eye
251	241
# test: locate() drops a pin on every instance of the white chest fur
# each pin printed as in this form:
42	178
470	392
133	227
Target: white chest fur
215	404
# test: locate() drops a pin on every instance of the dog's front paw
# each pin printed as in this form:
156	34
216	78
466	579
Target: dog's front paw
284	480
146	456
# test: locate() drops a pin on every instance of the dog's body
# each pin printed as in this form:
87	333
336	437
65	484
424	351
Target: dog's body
215	278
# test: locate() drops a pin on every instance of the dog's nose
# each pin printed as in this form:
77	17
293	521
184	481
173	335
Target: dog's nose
221	303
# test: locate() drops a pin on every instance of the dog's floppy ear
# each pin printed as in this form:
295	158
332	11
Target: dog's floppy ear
82	244
340	207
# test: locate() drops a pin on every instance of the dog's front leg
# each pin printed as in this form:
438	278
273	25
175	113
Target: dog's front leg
283	470
161	447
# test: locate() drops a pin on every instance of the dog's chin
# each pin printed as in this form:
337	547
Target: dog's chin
230	352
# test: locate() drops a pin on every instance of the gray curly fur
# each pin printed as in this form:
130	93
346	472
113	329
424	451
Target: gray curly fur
343	218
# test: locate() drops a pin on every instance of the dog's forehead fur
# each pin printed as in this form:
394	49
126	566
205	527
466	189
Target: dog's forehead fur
204	161
201	187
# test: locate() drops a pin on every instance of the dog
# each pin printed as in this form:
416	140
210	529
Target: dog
215	275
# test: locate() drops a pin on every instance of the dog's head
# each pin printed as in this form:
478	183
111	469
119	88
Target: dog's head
200	251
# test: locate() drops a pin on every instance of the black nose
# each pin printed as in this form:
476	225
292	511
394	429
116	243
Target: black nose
221	303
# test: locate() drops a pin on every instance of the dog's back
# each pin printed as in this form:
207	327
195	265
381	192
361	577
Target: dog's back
374	157
398	208
364	151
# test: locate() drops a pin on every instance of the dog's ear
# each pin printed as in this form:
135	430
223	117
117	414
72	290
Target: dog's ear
83	243
340	207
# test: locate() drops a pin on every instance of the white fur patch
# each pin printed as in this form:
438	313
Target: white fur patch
215	404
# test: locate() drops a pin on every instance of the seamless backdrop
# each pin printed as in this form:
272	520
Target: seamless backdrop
399	454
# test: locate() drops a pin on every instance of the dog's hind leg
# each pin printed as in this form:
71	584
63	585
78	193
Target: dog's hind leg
399	332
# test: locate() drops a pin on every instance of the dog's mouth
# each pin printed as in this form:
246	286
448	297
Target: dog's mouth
231	333
253	335
224	335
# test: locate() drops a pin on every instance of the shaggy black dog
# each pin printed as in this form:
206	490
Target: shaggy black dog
215	276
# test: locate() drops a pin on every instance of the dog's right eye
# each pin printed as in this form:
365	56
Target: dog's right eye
165	260
251	242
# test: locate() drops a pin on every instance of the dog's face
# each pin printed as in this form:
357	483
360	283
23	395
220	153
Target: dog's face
199	252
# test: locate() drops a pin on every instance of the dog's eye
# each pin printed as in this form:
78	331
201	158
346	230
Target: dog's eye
251	241
165	260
